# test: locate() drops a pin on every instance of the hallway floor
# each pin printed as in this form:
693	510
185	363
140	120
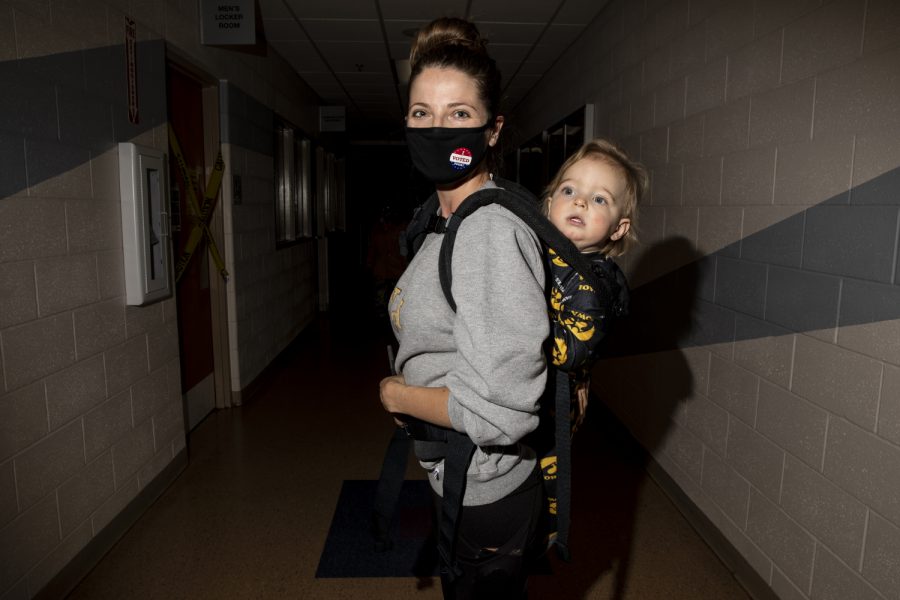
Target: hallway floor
249	516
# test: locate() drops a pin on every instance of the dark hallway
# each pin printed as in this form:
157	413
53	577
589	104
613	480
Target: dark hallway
249	516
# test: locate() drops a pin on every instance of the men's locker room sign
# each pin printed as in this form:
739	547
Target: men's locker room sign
227	22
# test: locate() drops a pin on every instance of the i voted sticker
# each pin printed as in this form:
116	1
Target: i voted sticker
461	158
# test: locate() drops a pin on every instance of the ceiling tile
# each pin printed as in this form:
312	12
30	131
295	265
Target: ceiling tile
343	30
301	56
579	12
333	9
511	11
364	57
424	10
278	30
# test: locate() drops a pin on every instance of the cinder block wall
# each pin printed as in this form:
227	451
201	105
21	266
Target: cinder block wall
90	398
270	300
761	368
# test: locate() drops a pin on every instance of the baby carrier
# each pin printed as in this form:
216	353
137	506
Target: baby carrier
454	447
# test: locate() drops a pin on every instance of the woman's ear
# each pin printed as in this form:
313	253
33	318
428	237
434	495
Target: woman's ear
495	131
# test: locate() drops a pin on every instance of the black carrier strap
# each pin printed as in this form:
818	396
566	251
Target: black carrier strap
529	211
458	448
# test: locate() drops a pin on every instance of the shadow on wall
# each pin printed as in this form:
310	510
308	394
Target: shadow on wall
604	451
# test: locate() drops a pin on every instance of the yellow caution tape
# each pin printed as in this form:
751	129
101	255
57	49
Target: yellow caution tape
200	214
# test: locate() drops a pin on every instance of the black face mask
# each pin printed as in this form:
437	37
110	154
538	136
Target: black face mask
446	154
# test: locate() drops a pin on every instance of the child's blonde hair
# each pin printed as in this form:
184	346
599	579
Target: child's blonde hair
637	183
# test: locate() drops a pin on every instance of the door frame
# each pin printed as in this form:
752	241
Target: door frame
218	289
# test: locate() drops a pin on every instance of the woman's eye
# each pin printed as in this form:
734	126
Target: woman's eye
460	114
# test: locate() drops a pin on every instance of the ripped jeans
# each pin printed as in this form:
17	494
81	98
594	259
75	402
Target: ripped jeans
496	544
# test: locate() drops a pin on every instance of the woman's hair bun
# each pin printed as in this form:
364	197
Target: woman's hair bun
443	33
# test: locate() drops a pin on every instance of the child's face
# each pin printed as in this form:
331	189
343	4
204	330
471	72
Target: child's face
586	206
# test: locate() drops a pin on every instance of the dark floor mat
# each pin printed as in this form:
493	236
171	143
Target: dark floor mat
350	547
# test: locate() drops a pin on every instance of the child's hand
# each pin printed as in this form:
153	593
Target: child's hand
582	390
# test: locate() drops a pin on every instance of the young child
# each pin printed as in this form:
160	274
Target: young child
592	200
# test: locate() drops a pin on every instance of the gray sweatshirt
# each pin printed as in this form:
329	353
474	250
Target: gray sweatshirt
489	353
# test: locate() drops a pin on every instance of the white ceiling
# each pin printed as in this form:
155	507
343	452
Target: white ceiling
345	49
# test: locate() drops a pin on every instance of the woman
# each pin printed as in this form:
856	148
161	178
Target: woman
479	370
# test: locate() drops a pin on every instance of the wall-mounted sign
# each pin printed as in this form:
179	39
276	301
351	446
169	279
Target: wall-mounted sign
332	118
227	22
131	70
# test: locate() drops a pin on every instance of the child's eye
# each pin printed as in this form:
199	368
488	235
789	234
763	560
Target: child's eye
566	191
599	200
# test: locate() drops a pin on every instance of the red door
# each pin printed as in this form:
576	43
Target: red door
192	290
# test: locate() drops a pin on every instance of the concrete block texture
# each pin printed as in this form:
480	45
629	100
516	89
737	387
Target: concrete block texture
106	424
859	98
18	302
771	15
764	349
792	423
133	451
29	107
48	463
734	389
69	547
720	230
756	67
839	22
876	175
12	153
84	493
126	364
814	172
772	235
93	225
27	540
835	580
688	50
66	282
74	391
706	87
802	301
686	139
670	102
32	228
756	458
854	241
889	407
726	488
9	506
709	422
748	177
703	182
882	22
834	517
36	349
99	326
685	450
23	419
865	466
842	382
729	27
789	546
869	319
881	563
57	170
782	115
741	286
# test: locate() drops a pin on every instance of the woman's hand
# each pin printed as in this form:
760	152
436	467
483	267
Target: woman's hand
389	390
